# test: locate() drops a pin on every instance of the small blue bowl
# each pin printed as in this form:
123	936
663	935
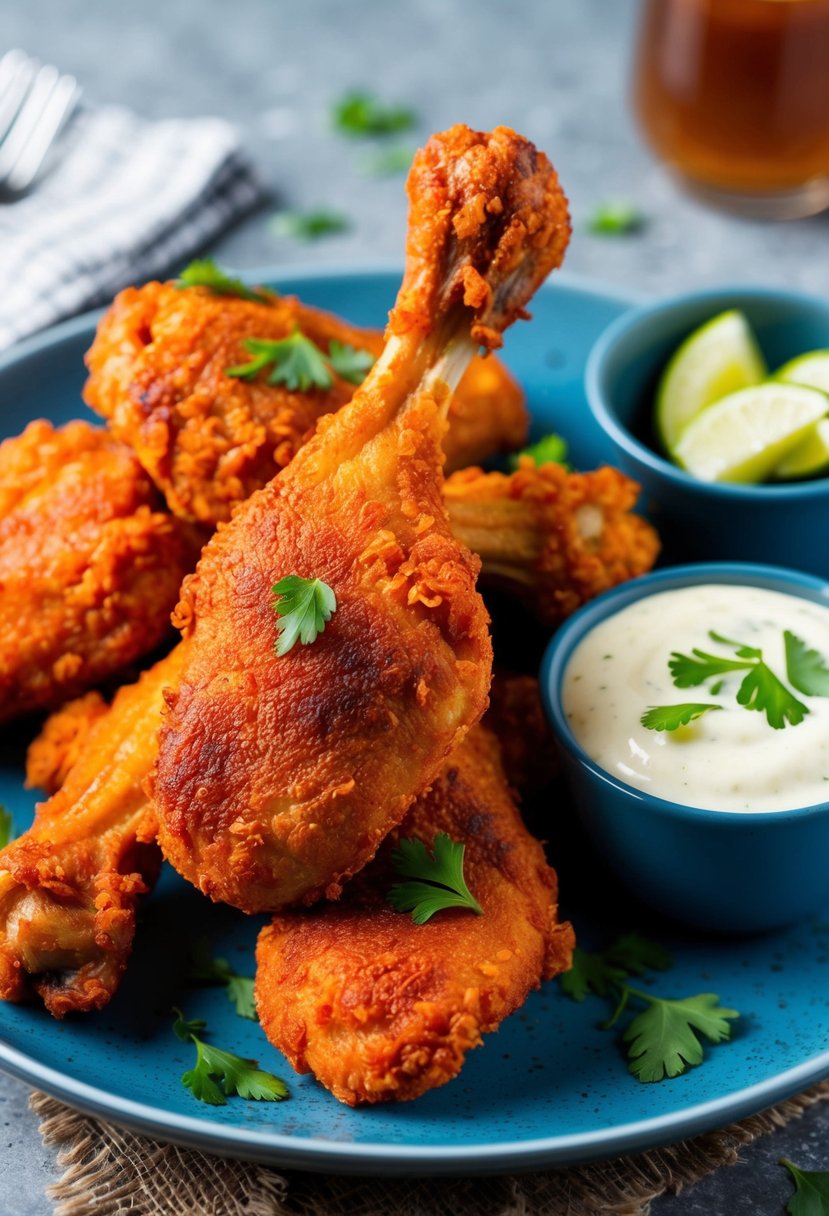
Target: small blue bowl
730	872
698	520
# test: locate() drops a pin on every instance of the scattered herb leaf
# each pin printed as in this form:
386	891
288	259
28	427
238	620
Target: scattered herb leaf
549	449
309	225
689	671
806	669
359	113
205	273
204	969
615	218
349	361
387	162
438	880
217	1074
297	362
637	954
671	717
591	972
811	1197
761	690
303	606
6	827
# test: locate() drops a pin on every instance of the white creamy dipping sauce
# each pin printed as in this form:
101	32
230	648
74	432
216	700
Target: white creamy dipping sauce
729	759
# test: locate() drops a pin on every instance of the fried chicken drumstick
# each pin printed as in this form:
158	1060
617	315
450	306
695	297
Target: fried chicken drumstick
554	538
381	1009
90	565
69	886
277	778
158	373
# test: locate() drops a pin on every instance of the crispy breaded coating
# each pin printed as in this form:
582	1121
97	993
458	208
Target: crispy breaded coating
381	1009
90	565
70	884
555	538
528	747
158	374
277	778
61	742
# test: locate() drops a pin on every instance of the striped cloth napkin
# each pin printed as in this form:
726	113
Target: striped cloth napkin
125	200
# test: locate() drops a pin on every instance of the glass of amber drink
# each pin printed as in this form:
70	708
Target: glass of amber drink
734	96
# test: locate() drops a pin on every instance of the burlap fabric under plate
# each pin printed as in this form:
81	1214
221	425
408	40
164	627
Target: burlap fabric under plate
108	1172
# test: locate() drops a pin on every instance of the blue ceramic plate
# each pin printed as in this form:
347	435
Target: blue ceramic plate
551	1087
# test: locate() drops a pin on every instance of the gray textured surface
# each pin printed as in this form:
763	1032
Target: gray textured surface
558	72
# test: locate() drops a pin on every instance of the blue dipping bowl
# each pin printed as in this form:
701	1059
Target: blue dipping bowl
786	523
726	871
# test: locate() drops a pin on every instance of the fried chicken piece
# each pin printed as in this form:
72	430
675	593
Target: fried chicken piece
381	1009
555	538
158	374
61	742
90	566
278	777
529	754
69	886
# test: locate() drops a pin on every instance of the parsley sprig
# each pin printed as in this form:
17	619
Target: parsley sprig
6	827
437	880
205	969
615	218
309	225
304	606
760	689
549	448
811	1197
663	1040
359	113
205	273
218	1074
299	364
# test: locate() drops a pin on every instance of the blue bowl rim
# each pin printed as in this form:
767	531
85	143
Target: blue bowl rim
720	299
561	645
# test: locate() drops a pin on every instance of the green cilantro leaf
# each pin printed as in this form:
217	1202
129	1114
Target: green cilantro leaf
349	362
236	1074
761	690
387	162
304	606
309	225
671	717
205	273
689	671
6	827
297	362
615	218
637	954
662	1042
811	1197
806	669
590	972
359	113
204	969
549	449
438	879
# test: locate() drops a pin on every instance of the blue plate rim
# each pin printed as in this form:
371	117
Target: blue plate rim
318	1154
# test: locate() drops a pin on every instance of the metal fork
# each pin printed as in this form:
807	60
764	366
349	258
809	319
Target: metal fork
35	102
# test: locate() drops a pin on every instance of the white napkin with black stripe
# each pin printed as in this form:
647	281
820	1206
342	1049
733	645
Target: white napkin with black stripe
125	200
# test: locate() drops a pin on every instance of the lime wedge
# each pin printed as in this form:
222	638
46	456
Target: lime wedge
809	456
811	370
718	358
745	436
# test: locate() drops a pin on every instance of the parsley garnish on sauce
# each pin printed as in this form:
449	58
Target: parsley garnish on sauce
6	827
205	273
811	1197
218	1074
663	1040
760	689
300	365
303	606
359	113
437	880
204	969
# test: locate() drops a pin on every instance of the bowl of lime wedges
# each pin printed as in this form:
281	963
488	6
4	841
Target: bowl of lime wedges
717	402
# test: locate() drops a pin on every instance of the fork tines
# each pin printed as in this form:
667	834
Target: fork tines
35	102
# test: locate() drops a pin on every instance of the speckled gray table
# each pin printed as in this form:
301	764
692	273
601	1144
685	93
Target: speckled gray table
556	71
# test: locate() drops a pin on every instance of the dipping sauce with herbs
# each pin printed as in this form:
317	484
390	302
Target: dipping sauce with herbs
714	696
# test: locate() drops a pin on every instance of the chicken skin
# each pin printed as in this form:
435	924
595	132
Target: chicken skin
90	565
554	538
158	373
278	777
69	886
381	1009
